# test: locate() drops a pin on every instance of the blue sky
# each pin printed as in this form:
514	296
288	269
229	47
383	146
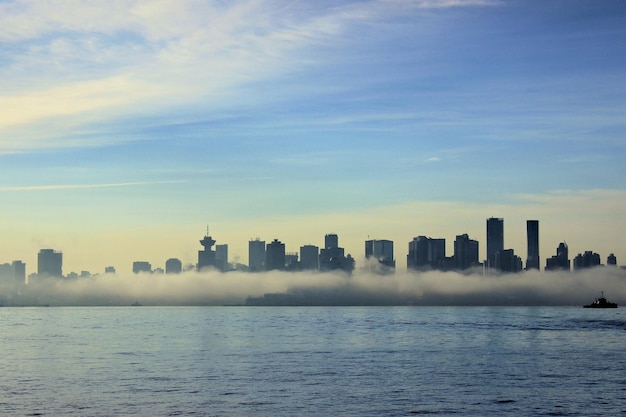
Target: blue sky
140	122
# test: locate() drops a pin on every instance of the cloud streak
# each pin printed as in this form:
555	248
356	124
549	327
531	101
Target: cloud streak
87	60
71	99
84	186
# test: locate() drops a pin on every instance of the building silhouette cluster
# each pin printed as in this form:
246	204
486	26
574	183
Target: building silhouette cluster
561	260
424	253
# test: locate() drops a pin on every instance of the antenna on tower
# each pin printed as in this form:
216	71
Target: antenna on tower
207	230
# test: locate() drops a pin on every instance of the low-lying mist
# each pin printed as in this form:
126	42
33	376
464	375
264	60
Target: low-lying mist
314	288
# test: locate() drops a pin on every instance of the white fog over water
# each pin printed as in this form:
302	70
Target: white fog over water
308	288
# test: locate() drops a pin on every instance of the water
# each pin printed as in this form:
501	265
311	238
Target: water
256	361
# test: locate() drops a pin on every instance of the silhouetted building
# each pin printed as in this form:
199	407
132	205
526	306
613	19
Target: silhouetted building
588	259
495	239
561	260
256	255
426	253
19	272
331	240
291	261
238	266
309	257
221	257
381	250
507	261
206	256
611	260
12	281
173	266
275	255
465	252
532	235
141	266
49	263
347	264
109	270
332	257
447	264
6	274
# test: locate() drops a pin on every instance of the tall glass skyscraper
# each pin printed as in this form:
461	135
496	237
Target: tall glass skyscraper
256	255
49	263
425	253
275	255
465	252
495	240
310	257
331	241
532	232
381	250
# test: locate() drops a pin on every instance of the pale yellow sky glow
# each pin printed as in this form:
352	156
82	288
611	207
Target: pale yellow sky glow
559	214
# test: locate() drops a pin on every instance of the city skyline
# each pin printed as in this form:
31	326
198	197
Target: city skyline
126	127
465	253
328	275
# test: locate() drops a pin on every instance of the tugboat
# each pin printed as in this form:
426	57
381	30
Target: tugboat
601	303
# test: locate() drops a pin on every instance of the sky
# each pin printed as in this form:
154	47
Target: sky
128	126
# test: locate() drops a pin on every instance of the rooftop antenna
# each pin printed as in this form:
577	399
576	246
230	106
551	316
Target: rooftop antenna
208	241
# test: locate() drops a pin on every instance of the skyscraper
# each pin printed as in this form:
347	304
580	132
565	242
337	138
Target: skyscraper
465	252
495	239
275	255
6	274
589	259
206	256
49	263
425	253
309	257
221	257
532	233
141	266
507	261
611	260
256	255
19	272
173	266
560	260
333	257
331	241
382	250
291	261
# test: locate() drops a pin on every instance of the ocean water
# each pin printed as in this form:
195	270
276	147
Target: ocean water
291	361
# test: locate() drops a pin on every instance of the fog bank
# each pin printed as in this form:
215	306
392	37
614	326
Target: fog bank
313	288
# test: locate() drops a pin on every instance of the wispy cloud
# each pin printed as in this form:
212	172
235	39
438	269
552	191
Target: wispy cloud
69	59
71	99
82	186
441	4
321	158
